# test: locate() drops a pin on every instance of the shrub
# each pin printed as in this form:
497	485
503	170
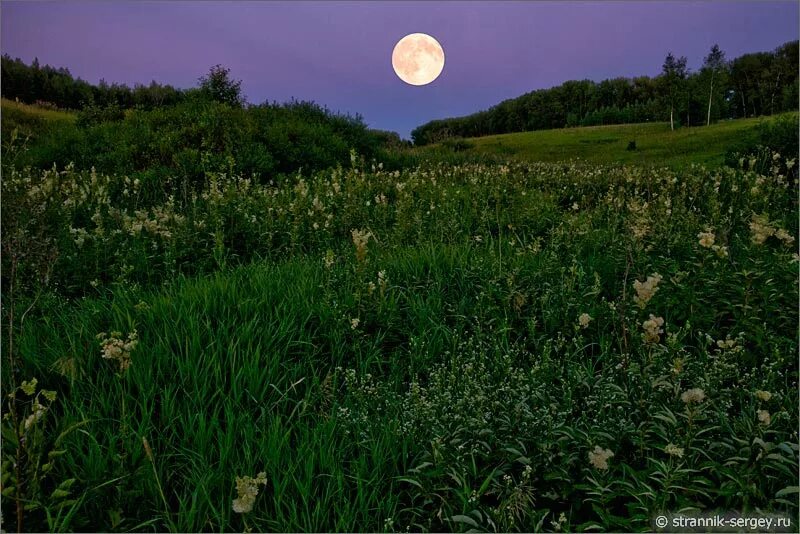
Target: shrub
94	115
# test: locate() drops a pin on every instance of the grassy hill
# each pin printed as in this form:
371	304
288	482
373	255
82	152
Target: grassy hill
655	143
29	119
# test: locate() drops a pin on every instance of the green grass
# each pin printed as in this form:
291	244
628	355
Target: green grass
228	382
466	395
18	112
656	145
30	120
19	108
239	373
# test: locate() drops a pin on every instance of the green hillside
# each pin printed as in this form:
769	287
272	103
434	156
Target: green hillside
655	143
30	120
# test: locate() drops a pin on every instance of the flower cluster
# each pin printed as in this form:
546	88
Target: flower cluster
160	223
706	239
639	222
761	230
652	329
784	236
674	450
645	290
764	417
763	396
360	239
247	490
694	395
599	457
382	284
114	347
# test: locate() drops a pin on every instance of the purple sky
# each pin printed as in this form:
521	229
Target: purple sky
339	53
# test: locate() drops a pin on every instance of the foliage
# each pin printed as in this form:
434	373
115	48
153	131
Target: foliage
492	346
30	458
673	79
779	136
32	83
217	85
93	115
30	121
748	86
172	148
656	144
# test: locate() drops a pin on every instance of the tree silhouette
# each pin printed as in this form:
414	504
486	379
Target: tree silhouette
218	85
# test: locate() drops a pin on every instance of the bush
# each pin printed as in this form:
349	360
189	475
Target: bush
201	135
94	115
457	144
781	134
778	135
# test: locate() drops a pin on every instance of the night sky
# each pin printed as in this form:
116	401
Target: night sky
339	53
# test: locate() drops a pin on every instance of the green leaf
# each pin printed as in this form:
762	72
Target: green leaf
59	494
410	481
465	519
65	503
67	484
420	467
788	491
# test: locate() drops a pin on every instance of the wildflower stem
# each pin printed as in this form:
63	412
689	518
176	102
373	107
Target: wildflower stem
621	307
13	377
499	236
149	452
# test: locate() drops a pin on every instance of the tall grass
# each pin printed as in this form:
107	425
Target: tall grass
496	347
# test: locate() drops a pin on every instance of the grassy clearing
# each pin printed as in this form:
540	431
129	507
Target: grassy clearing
525	346
656	145
28	122
19	108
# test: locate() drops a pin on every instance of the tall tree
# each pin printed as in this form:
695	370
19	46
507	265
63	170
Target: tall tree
673	75
714	62
219	86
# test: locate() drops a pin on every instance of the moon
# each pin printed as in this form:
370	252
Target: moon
418	59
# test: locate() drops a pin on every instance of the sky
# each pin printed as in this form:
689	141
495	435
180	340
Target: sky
338	54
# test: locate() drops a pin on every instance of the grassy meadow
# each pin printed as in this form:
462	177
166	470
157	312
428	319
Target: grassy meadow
449	346
656	145
29	121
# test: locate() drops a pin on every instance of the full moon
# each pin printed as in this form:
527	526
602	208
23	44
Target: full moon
418	59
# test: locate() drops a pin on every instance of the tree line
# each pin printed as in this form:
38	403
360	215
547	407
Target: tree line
760	83
209	128
57	87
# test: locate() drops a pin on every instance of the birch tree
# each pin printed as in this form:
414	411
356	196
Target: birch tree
714	62
673	74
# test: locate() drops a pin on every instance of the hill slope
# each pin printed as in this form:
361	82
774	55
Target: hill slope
30	119
655	143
